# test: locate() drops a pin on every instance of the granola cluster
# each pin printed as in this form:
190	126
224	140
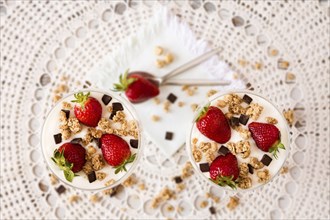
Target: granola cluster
254	110
167	58
68	126
255	163
263	176
164	195
94	161
241	148
233	203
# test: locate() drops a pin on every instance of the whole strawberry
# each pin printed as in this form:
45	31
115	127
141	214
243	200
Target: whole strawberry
213	124
267	137
224	170
116	151
70	158
137	88
89	110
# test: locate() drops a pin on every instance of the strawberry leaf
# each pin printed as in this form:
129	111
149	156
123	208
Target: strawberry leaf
124	82
275	148
68	174
225	181
81	98
203	111
59	159
122	166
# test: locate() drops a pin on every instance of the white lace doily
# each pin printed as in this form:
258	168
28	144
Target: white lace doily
42	40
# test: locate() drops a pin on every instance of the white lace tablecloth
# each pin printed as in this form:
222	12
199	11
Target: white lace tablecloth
43	40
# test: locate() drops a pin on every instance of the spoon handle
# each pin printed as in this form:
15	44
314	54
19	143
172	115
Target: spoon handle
191	63
195	82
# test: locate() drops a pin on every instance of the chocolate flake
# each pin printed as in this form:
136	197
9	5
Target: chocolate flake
171	97
134	143
204	167
76	140
58	138
250	168
106	99
247	99
116	106
178	179
234	121
169	135
91	176
97	141
212	210
61	189
67	113
266	160
243	119
223	150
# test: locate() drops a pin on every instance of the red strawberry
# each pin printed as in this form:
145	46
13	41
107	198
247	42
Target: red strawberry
213	124
70	158
116	151
137	88
224	170
267	137
89	110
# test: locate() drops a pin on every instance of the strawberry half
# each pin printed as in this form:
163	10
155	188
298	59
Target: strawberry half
224	170
70	158
137	88
116	151
267	137
213	124
89	110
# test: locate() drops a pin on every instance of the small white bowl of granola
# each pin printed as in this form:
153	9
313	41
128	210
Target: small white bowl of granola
91	140
238	140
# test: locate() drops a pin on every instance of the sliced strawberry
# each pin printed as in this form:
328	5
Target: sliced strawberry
224	170
137	88
89	110
70	158
267	137
116	151
213	124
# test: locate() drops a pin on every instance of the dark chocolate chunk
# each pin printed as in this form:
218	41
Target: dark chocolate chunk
178	179
250	168
247	99
223	150
114	192
134	143
61	189
58	138
112	115
91	176
106	99
169	135
76	140
212	210
266	159
97	141
67	113
243	119
171	97
116	106
234	121
204	167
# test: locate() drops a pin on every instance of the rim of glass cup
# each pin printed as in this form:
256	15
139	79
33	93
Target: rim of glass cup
127	106
189	147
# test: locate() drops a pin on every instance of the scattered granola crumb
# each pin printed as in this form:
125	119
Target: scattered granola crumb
91	150
271	120
185	87
284	170
282	64
263	175
110	108
158	50
166	106
203	204
164	195
56	98
160	63
142	186
66	105
221	103
290	77
97	162
194	140
254	111
211	92
255	163
243	170
169	58
190	92
193	106
100	175
242	62
258	66
180	104
95	198
66	134
244	183
53	179
289	116
180	187
187	170
74	199
233	203
170	208
130	181
156	100
155	118
228	115
110	182
273	52
197	154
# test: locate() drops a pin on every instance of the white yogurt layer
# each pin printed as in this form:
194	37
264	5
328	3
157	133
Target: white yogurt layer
269	111
51	127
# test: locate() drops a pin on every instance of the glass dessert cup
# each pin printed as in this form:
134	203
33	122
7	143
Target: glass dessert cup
51	128
203	163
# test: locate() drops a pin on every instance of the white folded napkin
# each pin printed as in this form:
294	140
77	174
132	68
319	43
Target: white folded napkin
137	53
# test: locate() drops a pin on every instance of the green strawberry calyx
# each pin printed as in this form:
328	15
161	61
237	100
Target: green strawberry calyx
124	82
81	98
225	181
275	148
203	112
122	166
64	165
